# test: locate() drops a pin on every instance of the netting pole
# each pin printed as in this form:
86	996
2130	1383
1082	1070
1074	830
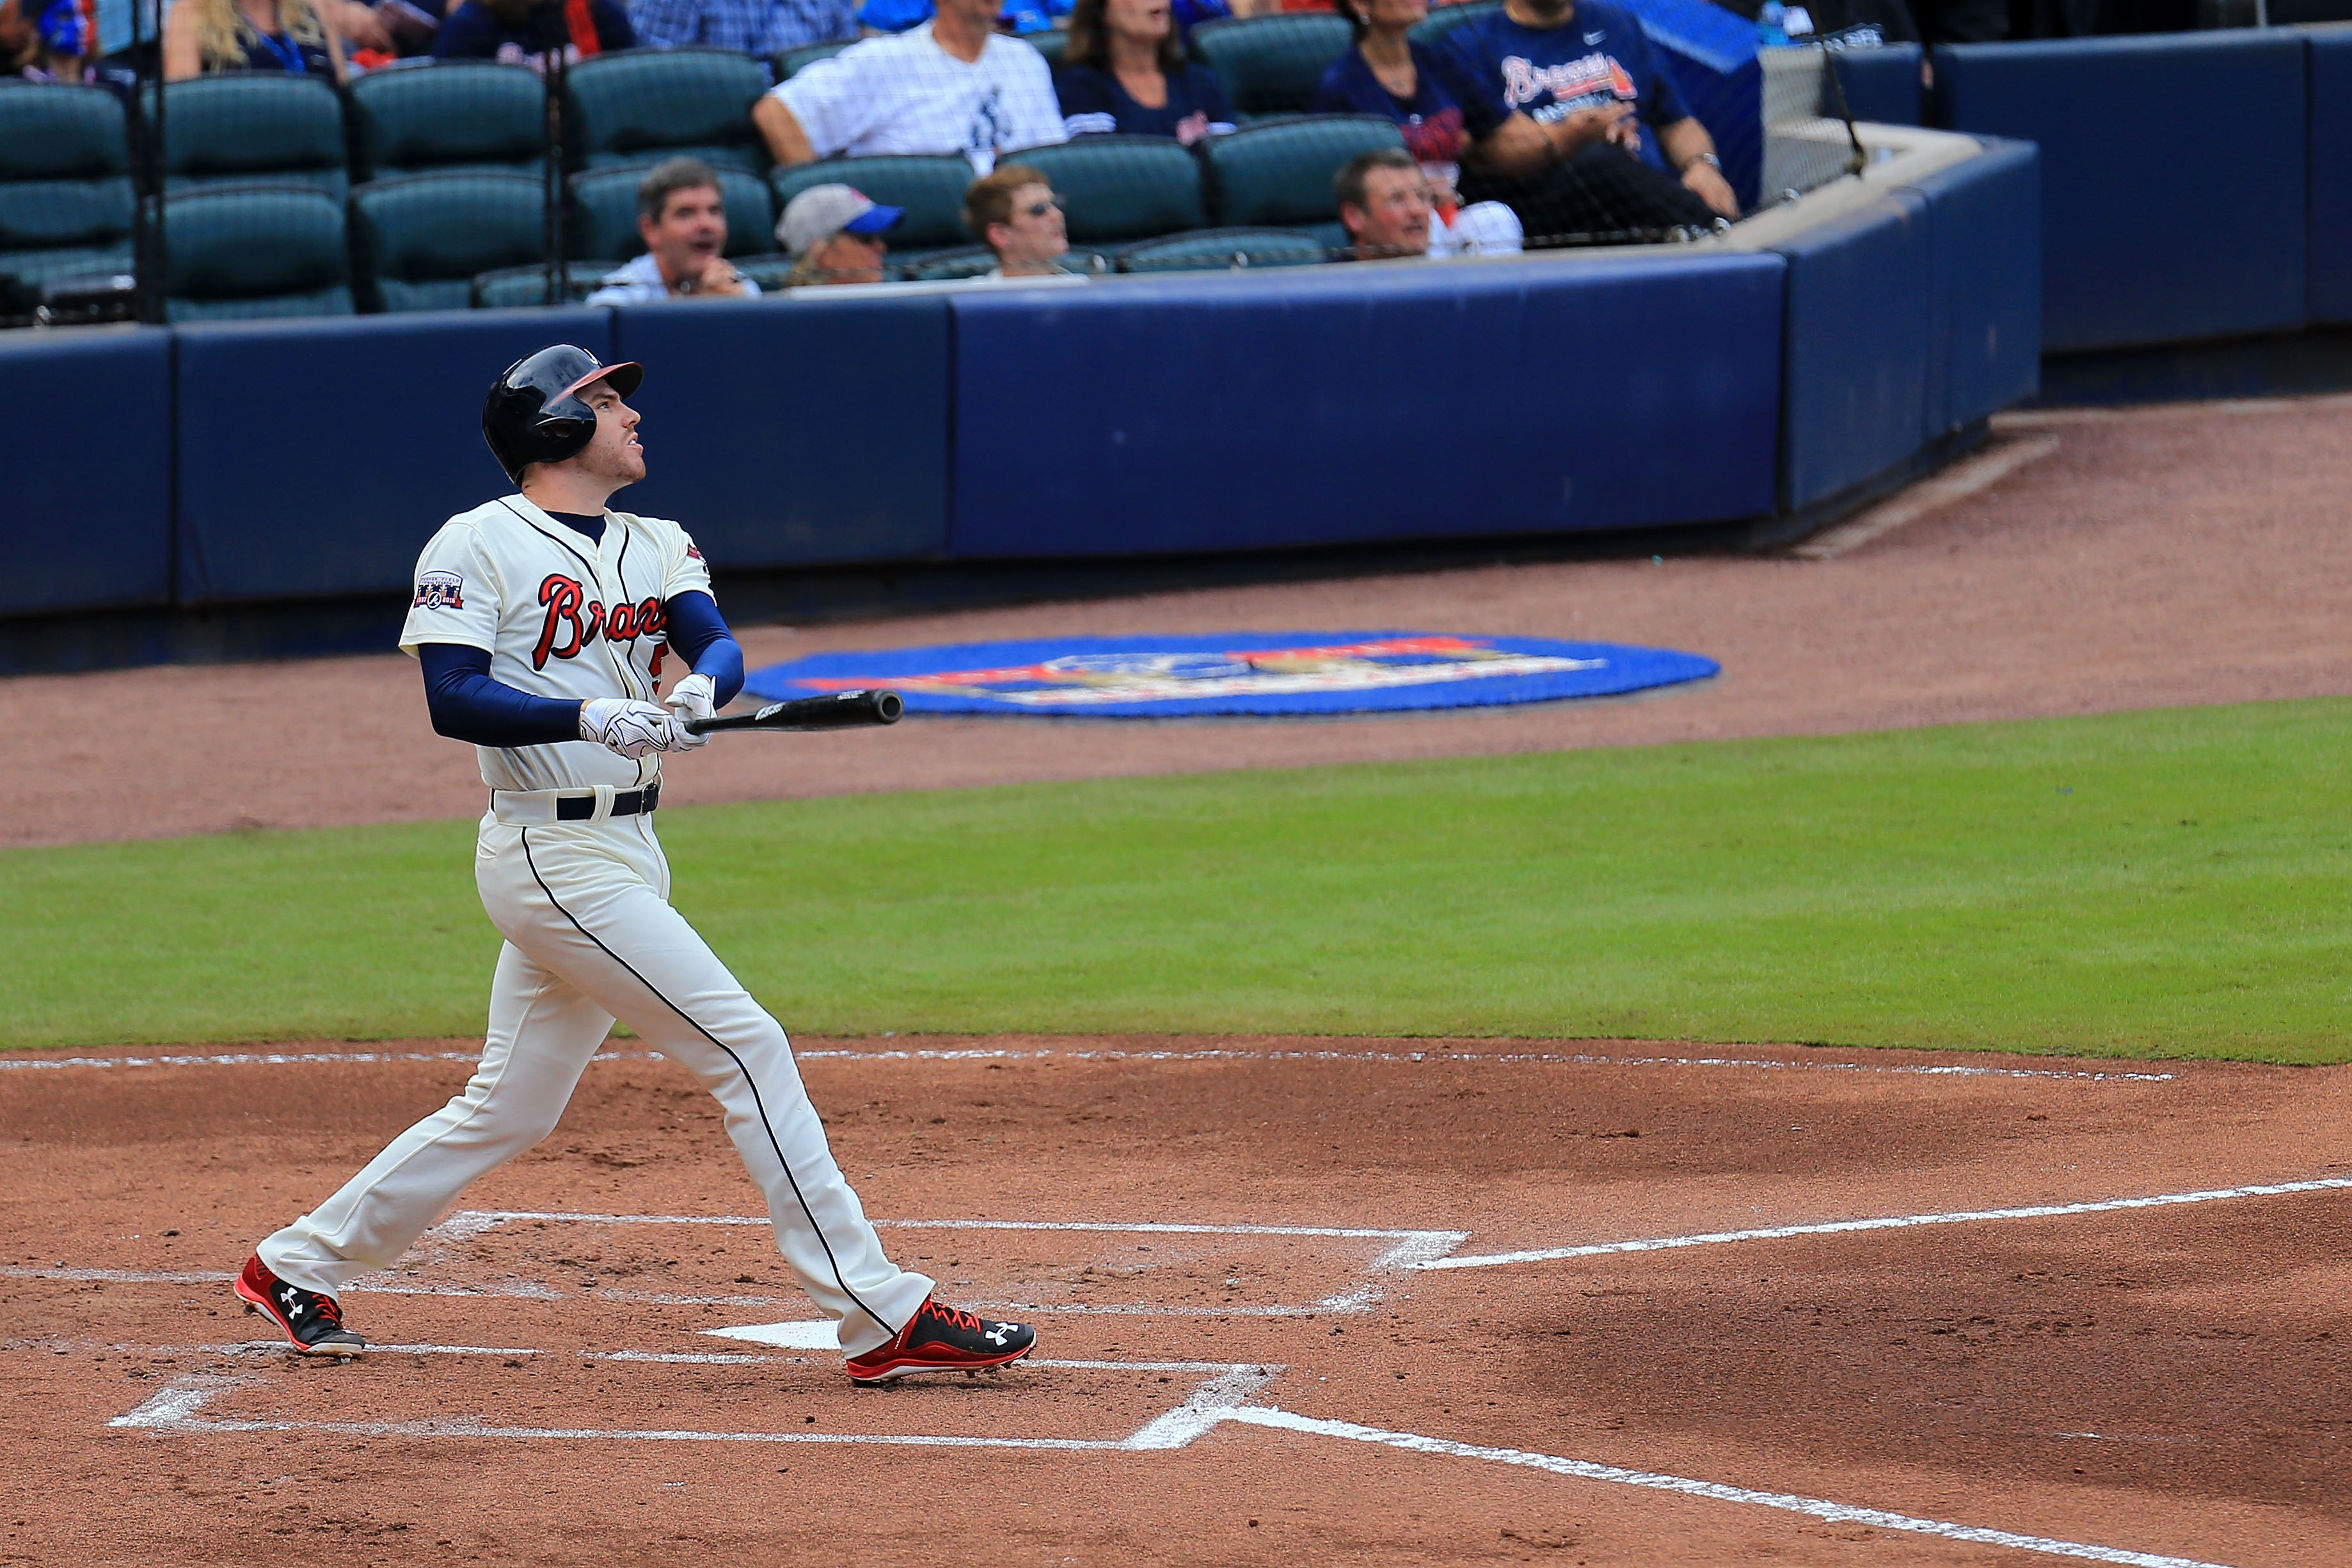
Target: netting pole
147	246
1860	159
554	75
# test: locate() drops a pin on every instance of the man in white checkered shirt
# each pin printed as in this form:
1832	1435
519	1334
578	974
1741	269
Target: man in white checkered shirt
761	27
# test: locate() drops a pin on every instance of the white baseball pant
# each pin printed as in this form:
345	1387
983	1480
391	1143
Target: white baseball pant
590	938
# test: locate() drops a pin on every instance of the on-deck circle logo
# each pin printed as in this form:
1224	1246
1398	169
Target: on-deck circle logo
1237	673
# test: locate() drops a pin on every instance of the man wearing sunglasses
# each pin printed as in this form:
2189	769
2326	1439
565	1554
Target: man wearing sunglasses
1015	214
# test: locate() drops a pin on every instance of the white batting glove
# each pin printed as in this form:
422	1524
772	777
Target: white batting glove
692	698
631	729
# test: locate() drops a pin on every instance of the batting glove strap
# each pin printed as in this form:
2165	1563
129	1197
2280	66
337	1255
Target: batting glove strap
630	728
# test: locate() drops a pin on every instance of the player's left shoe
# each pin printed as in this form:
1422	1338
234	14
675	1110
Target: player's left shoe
943	1339
313	1324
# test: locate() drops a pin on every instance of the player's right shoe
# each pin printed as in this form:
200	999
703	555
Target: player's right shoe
311	1322
943	1339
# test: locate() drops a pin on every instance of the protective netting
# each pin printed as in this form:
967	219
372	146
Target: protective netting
431	154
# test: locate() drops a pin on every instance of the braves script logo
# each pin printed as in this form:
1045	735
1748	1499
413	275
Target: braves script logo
440	590
574	621
1095	680
1596	76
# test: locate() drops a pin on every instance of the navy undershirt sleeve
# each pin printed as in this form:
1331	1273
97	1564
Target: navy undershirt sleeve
467	704
697	632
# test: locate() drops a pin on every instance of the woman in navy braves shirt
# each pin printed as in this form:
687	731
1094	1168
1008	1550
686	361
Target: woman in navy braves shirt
1128	73
1566	168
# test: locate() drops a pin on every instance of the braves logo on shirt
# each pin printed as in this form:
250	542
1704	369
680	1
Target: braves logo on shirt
440	590
1572	84
573	621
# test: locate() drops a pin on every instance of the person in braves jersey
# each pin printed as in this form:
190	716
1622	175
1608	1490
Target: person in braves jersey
1643	162
543	621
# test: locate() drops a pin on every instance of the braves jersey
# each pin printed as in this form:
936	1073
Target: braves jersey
1600	55
561	616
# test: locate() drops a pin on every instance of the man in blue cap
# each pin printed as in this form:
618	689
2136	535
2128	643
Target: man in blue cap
834	233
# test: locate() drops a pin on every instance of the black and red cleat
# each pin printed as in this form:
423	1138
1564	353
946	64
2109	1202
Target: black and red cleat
313	1324
944	1339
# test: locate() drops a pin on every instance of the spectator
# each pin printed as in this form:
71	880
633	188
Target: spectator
1607	125
1011	17
288	35
1126	72
62	47
834	233
1014	212
525	32
1438	108
1388	208
761	27
682	218
952	85
20	38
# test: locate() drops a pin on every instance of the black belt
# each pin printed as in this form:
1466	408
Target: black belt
626	804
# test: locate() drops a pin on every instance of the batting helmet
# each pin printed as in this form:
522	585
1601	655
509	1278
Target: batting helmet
535	412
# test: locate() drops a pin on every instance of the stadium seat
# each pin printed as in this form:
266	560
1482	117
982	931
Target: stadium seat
944	265
649	104
1279	173
930	188
1054	43
791	62
420	241
603	217
1205	250
65	183
1270	65
513	287
1120	188
235	251
468	114
1443	19
241	128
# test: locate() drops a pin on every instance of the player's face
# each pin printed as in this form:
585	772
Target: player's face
614	452
1394	218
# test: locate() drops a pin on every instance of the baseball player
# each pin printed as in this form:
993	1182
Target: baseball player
543	621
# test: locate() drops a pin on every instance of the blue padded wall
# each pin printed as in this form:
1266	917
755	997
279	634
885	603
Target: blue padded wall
1882	84
317	458
1984	285
2123	262
1365	403
2330	293
1859	335
85	517
785	433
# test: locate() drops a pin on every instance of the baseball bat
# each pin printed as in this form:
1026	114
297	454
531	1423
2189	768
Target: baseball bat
835	710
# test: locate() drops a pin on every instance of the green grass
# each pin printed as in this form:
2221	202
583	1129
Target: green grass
2164	883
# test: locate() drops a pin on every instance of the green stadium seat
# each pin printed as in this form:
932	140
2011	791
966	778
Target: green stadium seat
240	251
66	205
240	128
420	241
1054	43
646	105
1270	65
603	225
1278	174
512	287
930	188
1119	188
1206	250
944	265
791	62
1443	19
468	114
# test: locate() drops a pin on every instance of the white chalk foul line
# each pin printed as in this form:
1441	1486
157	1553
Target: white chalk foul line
978	1053
1889	1222
1816	1508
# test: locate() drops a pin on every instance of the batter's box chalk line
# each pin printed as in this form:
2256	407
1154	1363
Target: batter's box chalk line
1222	1397
1406	1249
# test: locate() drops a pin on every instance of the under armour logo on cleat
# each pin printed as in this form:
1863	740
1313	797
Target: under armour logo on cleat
998	1333
291	1297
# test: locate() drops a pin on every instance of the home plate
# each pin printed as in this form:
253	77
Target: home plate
816	1334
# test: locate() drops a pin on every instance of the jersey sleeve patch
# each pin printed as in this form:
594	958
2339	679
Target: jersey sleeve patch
440	590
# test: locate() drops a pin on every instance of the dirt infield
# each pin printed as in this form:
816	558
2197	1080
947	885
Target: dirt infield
1247	1356
2157	557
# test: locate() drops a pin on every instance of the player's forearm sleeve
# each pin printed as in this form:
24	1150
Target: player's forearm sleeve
467	704
699	632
